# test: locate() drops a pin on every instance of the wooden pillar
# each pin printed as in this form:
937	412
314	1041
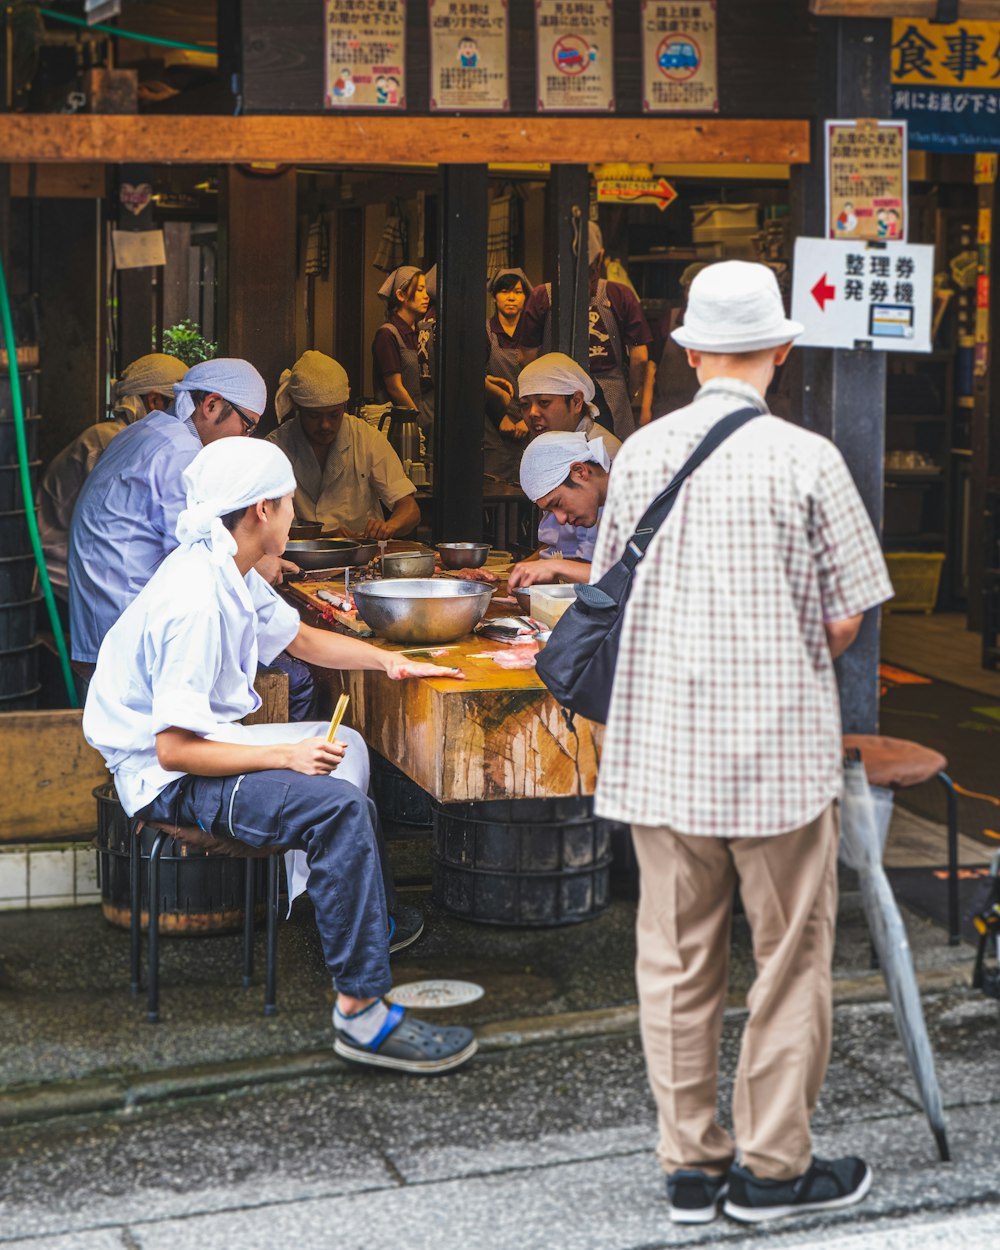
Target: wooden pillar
461	353
350	278
135	286
567	215
985	429
257	287
843	392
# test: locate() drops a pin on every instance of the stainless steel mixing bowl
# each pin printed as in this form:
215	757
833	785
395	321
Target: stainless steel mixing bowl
463	555
422	609
407	564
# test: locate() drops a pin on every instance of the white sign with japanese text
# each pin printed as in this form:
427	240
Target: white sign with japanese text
879	294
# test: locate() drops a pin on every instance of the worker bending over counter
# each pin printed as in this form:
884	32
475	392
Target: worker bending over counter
345	471
557	396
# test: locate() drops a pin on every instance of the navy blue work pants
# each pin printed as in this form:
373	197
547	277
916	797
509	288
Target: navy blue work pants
334	823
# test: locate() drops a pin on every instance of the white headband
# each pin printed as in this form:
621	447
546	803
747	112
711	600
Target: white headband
227	475
547	459
314	381
555	373
235	380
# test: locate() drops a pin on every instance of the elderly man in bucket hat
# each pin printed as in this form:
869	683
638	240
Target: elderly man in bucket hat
723	751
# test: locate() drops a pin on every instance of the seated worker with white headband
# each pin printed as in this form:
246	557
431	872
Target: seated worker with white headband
345	472
566	475
557	397
174	677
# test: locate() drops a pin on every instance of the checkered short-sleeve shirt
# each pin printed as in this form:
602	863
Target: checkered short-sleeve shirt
724	717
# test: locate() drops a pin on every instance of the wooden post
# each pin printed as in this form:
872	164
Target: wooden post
257	290
135	286
843	392
985	459
461	354
567	209
350	274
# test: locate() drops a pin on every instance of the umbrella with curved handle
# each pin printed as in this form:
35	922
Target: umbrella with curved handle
861	844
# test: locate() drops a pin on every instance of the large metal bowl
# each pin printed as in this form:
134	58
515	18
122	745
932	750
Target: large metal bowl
422	609
322	553
463	555
407	564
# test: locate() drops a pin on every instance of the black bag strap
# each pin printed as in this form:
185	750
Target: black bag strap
659	509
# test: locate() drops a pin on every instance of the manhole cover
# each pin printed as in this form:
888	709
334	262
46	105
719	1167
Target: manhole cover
435	994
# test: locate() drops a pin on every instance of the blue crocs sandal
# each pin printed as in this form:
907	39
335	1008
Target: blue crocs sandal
408	1045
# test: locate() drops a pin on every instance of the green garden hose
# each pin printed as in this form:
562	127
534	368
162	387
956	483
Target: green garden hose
29	501
128	34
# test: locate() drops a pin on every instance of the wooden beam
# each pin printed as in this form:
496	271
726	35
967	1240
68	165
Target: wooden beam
969	10
358	141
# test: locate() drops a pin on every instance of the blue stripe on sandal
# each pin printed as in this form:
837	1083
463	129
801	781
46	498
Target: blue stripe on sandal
394	1018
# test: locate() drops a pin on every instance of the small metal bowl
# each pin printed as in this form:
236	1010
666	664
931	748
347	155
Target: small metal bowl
430	610
321	553
302	530
463	555
407	564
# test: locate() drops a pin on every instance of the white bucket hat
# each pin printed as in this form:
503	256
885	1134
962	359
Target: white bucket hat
735	306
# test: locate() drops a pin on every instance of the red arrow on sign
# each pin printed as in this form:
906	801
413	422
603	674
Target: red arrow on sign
822	292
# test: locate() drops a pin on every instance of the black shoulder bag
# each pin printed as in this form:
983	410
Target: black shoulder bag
578	661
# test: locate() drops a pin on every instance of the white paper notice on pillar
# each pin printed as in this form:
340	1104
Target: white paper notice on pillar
873	294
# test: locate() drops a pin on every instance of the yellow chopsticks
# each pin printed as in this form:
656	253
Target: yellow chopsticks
338	716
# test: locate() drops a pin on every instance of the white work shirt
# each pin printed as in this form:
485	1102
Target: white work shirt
724	717
124	523
361	472
58	492
184	654
575	542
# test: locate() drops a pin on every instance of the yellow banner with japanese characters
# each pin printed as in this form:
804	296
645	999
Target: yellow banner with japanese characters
963	54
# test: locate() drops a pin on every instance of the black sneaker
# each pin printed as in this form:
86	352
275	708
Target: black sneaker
694	1197
405	925
828	1184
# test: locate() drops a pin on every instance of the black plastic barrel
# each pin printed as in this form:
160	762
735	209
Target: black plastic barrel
17	576
14	537
8	438
24	702
200	894
521	862
17	623
399	800
29	379
11	493
19	671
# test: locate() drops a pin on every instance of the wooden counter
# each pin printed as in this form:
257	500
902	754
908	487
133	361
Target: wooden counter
497	735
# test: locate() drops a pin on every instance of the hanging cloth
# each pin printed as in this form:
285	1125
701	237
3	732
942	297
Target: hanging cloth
392	248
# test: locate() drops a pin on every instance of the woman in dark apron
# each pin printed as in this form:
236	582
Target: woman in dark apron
505	433
403	373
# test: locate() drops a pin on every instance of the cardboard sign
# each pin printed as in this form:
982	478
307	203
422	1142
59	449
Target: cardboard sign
469	56
679	72
946	84
575	45
866	180
138	249
875	294
365	54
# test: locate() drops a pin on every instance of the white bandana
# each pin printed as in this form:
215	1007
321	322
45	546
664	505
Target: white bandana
547	459
229	474
235	380
155	373
556	374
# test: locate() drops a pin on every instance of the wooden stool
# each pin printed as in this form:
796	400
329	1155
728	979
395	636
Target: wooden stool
193	837
897	764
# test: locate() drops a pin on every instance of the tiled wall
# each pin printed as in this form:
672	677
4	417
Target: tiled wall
61	874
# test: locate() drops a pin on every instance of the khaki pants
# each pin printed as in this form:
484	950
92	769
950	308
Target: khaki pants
788	884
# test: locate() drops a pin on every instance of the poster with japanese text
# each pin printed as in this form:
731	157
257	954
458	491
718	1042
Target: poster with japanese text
575	41
469	56
866	180
365	54
679	73
946	84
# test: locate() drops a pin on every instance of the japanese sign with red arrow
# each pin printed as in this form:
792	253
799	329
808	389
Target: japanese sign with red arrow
636	191
849	295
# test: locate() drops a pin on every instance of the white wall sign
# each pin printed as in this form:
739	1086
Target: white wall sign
879	294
